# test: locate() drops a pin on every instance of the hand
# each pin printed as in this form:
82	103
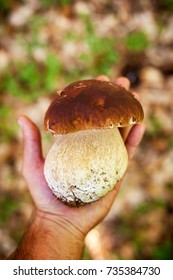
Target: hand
52	214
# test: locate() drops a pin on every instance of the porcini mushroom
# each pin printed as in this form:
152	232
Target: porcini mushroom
88	157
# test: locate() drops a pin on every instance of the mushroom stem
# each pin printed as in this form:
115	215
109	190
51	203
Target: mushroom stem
82	167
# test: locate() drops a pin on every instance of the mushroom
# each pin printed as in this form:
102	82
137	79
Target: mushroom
88	157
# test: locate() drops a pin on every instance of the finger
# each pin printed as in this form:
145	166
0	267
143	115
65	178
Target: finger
134	138
32	154
136	95
126	130
33	163
124	82
103	78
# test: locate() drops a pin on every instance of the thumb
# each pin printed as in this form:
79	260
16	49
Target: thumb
32	149
33	163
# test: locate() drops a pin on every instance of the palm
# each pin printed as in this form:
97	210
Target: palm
45	201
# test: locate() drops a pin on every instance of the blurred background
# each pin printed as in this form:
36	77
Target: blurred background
45	45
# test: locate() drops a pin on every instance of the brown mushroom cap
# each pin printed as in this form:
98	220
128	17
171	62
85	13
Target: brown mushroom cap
92	104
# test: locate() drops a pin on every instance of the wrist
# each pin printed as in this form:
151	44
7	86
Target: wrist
50	237
64	238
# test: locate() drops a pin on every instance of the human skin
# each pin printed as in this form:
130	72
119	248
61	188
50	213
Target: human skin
57	231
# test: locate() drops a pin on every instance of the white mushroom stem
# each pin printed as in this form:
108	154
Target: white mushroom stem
84	166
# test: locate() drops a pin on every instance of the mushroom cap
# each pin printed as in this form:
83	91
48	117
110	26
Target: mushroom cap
92	104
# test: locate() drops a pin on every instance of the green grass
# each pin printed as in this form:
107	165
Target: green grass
136	42
155	124
86	254
22	81
167	4
50	3
149	206
8	126
8	206
25	82
5	111
5	6
102	55
35	23
53	69
164	251
29	80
